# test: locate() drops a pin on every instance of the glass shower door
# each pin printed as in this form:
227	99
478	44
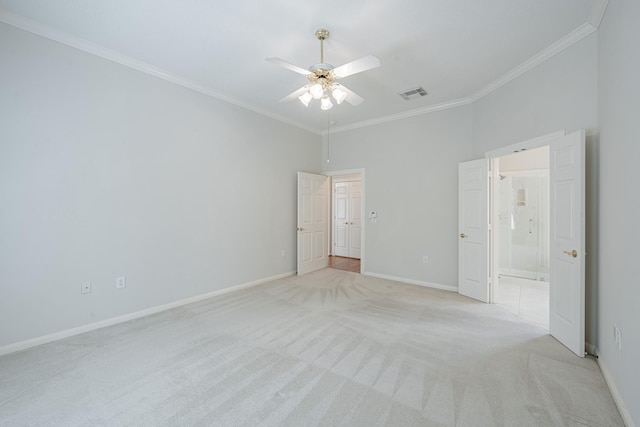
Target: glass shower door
524	225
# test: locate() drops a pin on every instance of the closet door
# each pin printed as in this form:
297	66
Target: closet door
355	222
341	219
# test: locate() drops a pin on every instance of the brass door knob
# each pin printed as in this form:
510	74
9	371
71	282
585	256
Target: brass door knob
300	228
462	235
573	253
346	223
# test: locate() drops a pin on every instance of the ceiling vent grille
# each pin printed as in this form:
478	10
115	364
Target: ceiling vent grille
413	93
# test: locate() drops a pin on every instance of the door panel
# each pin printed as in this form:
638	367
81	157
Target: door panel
313	219
341	219
473	229
566	291
354	219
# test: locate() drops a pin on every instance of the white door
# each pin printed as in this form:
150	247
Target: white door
567	245
347	219
473	229
341	219
355	220
312	222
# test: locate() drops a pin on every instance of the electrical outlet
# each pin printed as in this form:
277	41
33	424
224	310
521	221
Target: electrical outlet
121	282
85	288
425	259
617	336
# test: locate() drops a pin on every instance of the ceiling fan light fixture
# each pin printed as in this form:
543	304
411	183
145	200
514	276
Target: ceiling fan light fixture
322	77
325	103
305	98
339	95
316	91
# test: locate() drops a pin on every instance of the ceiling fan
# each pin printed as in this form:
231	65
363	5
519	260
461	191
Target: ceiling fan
322	77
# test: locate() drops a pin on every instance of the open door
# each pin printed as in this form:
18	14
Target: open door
473	226
567	243
313	216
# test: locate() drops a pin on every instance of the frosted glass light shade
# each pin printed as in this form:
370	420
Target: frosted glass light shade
305	98
316	91
325	103
339	95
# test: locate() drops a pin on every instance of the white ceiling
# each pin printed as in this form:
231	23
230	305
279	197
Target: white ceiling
457	50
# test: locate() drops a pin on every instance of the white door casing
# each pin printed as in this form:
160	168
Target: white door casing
313	216
567	243
473	229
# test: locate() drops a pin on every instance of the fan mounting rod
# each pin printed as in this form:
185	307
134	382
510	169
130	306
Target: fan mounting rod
322	34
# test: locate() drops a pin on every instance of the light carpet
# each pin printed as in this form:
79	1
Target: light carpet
330	348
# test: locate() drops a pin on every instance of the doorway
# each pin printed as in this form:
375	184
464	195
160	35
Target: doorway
478	231
346	226
522	201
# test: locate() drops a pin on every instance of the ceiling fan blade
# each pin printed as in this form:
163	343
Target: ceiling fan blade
363	64
352	97
289	66
295	94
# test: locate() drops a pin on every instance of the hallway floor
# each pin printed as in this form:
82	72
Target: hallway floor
344	263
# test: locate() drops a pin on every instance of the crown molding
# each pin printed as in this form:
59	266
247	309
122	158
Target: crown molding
411	113
597	12
34	27
569	40
595	17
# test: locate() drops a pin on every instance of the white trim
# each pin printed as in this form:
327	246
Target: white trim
23	345
597	12
590	348
529	144
406	114
114	56
412	281
567	41
576	35
570	39
617	397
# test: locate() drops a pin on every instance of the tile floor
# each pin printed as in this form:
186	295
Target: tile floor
525	298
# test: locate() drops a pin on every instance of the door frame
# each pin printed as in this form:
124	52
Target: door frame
360	171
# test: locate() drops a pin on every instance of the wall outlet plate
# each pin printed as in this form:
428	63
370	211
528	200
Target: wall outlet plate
121	282
85	288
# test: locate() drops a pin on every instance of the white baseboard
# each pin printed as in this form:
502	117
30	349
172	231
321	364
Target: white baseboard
626	416
23	345
412	281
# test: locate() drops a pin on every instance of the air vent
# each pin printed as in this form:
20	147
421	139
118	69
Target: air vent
413	93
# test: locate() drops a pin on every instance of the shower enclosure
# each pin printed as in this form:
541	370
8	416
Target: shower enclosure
524	224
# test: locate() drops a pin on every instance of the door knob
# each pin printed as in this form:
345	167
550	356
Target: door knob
346	223
300	228
573	253
462	235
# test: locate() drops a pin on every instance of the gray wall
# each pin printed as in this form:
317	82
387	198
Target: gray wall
619	290
106	171
411	164
560	93
411	181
